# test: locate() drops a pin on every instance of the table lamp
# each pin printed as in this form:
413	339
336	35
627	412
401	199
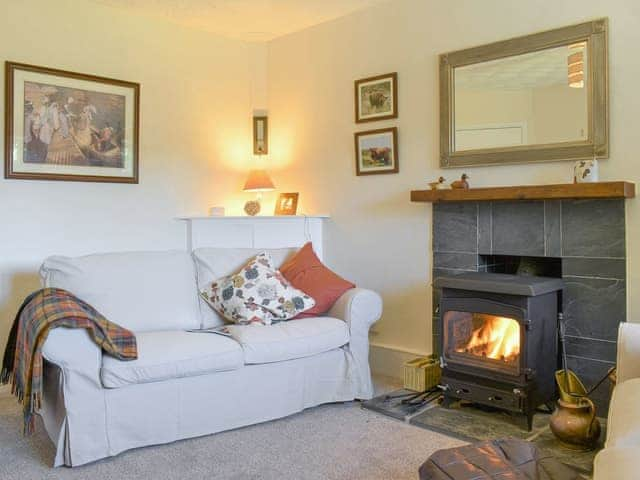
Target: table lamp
258	181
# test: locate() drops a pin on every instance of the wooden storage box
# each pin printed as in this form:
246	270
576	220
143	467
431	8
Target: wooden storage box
421	374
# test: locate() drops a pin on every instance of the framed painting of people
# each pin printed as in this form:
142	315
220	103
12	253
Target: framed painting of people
62	125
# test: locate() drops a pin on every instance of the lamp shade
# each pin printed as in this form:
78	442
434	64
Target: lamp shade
258	181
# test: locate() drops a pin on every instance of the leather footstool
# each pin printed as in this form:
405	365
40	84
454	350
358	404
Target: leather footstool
506	459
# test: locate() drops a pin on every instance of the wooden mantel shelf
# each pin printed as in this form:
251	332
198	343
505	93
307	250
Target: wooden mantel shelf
529	192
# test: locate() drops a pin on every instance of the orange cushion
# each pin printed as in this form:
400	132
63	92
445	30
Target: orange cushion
306	272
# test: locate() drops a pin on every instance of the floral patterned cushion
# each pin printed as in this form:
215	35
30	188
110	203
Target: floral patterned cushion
258	293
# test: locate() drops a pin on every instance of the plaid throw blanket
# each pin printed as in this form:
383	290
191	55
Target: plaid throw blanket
42	311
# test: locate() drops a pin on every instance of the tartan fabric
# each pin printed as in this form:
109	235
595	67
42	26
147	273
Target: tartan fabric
42	311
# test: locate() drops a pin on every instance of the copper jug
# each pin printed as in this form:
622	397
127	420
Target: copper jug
574	423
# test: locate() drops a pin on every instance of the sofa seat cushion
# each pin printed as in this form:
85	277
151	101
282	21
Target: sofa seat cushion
172	354
623	425
289	340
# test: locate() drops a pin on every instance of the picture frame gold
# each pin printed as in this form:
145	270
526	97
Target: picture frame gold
260	135
595	34
376	98
91	147
377	151
287	204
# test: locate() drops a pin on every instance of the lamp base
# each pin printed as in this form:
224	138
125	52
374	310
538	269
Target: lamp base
252	207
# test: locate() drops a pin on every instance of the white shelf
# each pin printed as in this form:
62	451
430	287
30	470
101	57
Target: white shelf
247	217
261	231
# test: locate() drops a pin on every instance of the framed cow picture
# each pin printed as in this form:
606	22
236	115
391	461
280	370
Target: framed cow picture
376	98
377	151
62	125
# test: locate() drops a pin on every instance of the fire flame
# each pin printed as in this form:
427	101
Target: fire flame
497	338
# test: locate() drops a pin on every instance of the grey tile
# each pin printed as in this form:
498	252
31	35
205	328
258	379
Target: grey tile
552	238
491	263
441	272
473	423
484	227
594	307
436	345
604	350
594	267
436	327
455	227
518	228
459	261
590	372
593	228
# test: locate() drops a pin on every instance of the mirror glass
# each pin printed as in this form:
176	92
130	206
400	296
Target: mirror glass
536	98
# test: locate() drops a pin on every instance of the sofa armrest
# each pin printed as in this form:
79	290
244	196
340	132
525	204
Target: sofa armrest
628	351
359	307
616	463
74	351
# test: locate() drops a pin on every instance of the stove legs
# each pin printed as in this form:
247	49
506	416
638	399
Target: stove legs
525	421
447	401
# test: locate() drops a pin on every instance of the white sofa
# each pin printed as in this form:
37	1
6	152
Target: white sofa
188	384
620	459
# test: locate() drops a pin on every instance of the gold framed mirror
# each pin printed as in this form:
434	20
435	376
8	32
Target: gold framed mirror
537	98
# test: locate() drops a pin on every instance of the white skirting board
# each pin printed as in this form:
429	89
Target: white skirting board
388	361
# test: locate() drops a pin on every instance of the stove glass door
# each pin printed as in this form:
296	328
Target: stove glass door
483	340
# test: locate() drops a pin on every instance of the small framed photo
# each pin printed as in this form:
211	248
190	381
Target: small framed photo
287	204
70	126
377	151
376	98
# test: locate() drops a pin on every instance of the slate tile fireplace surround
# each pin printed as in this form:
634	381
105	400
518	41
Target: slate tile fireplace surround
581	241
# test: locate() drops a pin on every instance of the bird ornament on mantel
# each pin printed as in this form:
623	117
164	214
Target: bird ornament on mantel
437	184
462	183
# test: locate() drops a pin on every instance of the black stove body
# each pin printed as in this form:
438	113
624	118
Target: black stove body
499	340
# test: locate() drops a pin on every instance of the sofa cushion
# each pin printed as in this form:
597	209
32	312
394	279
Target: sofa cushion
172	354
306	272
623	425
257	293
141	291
213	263
289	340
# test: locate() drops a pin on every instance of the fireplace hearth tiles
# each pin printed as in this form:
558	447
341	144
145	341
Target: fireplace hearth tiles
588	238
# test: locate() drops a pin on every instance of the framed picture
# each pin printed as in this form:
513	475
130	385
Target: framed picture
287	204
376	98
377	151
260	135
70	126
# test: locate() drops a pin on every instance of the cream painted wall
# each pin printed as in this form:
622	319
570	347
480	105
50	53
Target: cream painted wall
194	136
377	237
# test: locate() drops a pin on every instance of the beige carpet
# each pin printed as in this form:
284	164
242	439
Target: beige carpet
338	441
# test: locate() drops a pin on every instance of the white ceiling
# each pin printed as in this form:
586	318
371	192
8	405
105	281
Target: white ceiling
531	70
251	20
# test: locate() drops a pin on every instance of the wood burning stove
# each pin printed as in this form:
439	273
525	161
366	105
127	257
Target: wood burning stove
499	340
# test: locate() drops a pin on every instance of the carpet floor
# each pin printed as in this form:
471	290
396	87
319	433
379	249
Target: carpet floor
337	441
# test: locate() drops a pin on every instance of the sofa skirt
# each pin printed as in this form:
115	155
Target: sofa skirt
163	412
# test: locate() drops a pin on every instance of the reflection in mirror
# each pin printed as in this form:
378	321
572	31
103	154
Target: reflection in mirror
536	98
